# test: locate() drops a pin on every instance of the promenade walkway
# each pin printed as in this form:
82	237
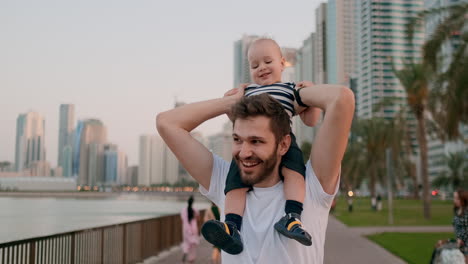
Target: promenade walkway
342	245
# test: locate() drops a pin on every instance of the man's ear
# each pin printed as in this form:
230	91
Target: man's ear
284	144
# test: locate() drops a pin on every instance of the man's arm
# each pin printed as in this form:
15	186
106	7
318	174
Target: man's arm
332	137
174	127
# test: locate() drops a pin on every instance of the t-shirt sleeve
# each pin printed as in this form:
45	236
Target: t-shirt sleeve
217	182
316	190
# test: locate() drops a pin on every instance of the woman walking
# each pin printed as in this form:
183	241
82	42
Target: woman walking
191	239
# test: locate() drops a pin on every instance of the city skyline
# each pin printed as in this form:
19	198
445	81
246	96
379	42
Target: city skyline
123	63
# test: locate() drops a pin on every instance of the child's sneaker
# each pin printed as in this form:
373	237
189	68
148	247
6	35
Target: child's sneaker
290	226
223	235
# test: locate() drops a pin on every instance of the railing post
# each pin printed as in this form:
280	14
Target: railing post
102	245
124	243
72	249
32	252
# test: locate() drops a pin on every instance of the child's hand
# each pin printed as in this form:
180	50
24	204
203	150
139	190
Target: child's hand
304	84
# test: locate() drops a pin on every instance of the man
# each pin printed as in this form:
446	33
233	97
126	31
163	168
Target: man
257	150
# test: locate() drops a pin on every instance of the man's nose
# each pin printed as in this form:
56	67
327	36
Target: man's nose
245	151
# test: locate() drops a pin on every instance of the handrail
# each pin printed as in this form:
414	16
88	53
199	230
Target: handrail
129	242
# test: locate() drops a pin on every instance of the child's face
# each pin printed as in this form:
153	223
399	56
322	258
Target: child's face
266	62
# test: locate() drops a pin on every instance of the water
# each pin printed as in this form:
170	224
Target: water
22	218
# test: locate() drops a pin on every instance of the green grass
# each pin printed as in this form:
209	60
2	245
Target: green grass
405	213
411	247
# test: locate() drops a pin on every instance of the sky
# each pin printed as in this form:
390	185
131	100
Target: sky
123	62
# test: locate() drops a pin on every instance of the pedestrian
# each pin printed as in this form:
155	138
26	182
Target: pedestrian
379	202
460	220
212	213
191	239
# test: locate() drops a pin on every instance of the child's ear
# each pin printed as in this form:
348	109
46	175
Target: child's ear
283	63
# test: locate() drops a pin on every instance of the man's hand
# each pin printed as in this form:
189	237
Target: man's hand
237	93
311	116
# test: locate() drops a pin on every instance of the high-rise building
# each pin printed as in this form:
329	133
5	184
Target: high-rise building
92	137
320	47
30	140
341	41
305	60
221	143
304	71
144	164
241	62
111	165
65	140
157	163
437	150
383	39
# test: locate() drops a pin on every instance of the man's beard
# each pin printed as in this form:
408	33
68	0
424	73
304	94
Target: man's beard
267	167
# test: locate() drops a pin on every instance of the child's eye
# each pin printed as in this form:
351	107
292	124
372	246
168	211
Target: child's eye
254	66
268	62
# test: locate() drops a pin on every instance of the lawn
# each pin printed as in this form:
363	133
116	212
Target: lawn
405	213
411	247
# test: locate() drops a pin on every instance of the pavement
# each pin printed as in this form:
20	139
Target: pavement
342	245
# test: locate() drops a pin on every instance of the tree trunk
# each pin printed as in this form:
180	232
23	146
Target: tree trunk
415	181
424	174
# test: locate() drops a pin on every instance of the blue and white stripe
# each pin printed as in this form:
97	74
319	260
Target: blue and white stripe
283	92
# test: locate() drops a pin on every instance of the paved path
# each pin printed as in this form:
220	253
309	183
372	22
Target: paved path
342	245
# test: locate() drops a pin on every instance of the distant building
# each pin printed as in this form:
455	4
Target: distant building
65	140
157	163
221	143
383	39
320	46
241	62
92	137
342	38
30	140
132	176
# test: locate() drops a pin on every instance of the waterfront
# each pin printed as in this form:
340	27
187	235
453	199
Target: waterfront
22	218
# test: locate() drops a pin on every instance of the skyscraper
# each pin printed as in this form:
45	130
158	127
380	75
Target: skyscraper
157	163
383	39
30	143
341	43
320	47
93	136
241	62
65	140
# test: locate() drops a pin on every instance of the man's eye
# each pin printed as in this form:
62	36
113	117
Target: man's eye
255	141
236	140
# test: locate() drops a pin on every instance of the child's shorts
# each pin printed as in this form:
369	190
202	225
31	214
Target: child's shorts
292	160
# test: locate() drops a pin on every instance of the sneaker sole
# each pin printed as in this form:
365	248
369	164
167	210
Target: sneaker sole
301	239
216	235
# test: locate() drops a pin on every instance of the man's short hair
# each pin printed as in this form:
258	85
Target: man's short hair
263	105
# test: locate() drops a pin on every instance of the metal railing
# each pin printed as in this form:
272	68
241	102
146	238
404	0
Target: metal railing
117	244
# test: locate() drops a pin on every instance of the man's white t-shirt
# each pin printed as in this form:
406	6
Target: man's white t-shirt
264	207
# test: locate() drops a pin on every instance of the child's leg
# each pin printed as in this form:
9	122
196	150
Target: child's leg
226	236
294	190
235	205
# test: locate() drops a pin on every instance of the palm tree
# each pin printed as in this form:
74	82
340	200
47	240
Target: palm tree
456	175
414	78
448	106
